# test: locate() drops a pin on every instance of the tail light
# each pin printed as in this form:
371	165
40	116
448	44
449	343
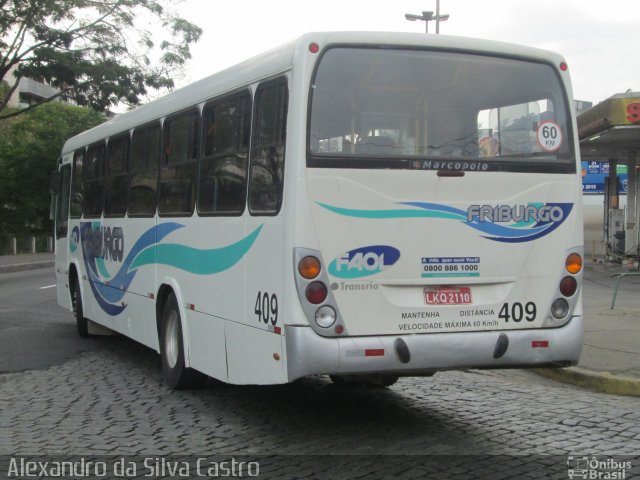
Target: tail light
566	298
559	308
316	299
309	267
316	292
574	263
325	316
568	286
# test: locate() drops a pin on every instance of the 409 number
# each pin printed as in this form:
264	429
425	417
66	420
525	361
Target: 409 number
516	312
266	307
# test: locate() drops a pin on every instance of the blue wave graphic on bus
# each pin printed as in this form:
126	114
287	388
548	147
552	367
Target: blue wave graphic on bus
524	228
110	290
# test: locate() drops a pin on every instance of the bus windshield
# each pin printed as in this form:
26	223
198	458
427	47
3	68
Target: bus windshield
391	107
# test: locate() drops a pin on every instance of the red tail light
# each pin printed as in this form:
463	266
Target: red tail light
316	292
568	286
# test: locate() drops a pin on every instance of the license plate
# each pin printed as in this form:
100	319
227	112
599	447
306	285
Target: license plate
447	296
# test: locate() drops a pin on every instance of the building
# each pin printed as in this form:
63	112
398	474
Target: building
32	91
582	105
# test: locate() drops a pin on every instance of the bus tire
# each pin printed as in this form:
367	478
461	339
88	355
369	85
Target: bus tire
175	374
380	380
82	324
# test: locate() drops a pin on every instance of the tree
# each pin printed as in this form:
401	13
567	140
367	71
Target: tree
29	147
94	51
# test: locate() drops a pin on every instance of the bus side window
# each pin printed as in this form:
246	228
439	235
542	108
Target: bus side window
145	154
75	210
223	168
267	154
93	174
62	205
115	191
180	156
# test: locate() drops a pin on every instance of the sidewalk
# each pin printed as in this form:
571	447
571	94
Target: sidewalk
26	261
610	359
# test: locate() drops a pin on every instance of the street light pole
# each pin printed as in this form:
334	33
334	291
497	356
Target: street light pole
427	16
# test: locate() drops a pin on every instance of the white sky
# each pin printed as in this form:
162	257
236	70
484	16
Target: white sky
600	40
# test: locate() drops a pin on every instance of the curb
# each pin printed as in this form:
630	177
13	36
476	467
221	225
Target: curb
21	267
603	382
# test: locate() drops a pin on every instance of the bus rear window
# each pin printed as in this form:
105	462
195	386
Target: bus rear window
392	107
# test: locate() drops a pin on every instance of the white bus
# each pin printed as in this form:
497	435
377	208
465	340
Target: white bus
362	205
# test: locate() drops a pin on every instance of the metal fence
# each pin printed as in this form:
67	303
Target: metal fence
26	244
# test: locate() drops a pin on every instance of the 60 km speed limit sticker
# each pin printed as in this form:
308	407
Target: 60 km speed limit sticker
549	136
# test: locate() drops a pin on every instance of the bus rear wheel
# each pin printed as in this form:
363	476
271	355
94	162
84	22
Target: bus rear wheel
175	373
82	324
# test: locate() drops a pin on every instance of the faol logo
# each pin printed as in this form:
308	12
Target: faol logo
364	261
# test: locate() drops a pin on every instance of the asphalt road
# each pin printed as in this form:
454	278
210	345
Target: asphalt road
104	397
34	331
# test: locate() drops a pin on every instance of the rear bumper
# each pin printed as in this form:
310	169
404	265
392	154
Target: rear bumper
309	353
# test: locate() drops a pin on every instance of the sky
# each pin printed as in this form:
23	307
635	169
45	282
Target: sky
599	40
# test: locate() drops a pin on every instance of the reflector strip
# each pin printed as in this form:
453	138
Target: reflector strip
374	352
273	329
370	352
540	344
191	306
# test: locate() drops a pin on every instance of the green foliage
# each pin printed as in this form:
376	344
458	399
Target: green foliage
30	145
98	52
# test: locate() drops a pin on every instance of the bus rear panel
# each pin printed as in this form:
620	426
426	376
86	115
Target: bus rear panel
444	195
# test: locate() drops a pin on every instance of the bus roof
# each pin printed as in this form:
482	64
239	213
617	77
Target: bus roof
279	60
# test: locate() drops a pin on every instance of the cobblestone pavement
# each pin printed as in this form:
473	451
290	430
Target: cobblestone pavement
112	402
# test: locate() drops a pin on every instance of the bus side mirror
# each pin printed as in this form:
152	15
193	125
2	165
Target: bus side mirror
54	182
